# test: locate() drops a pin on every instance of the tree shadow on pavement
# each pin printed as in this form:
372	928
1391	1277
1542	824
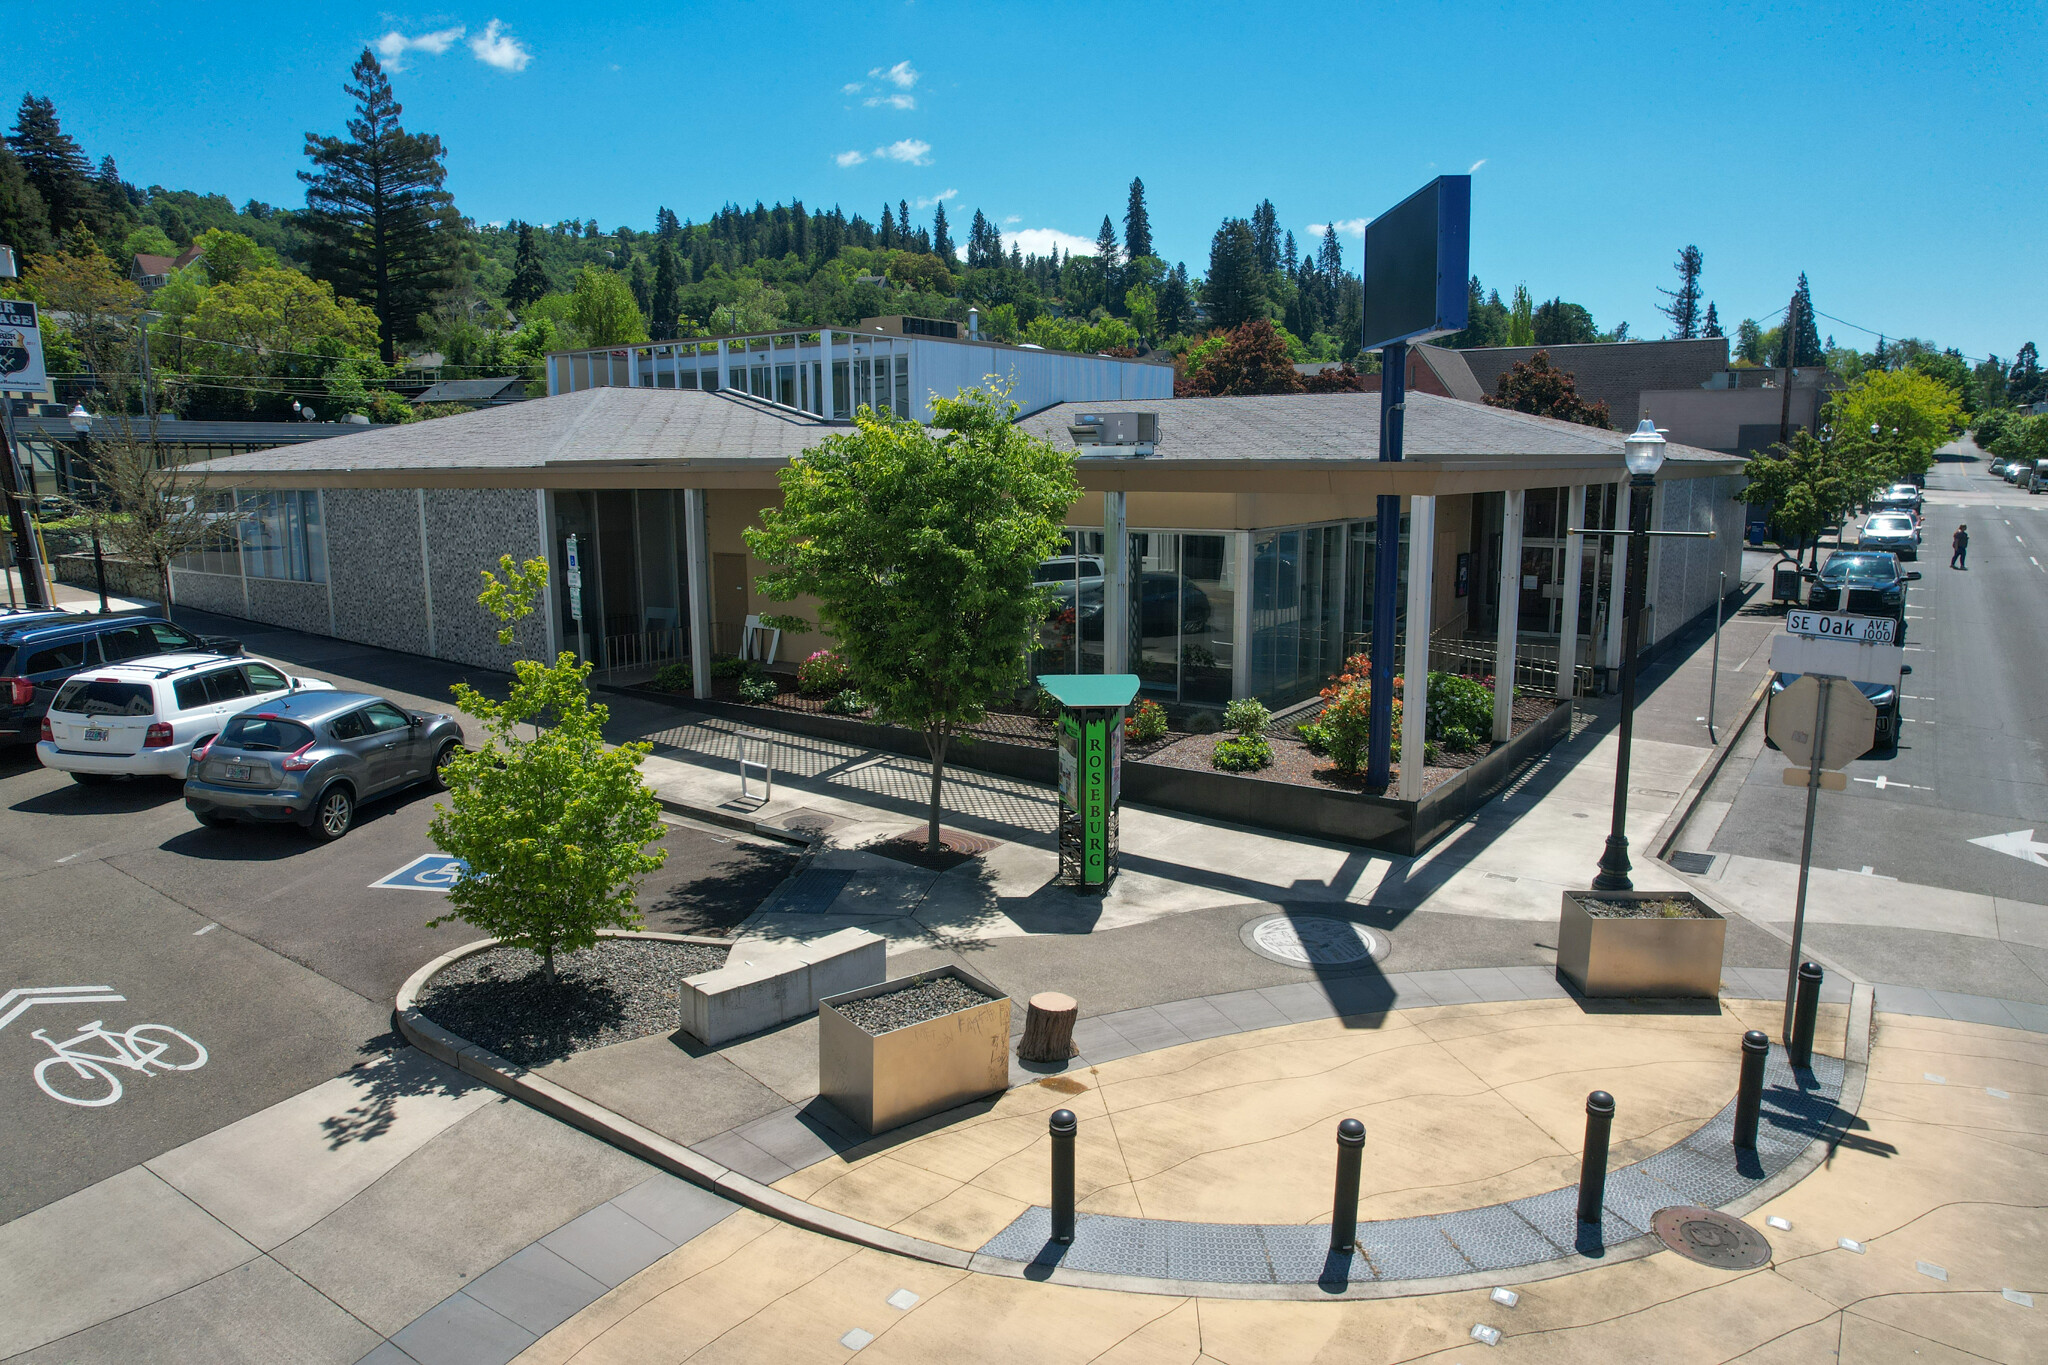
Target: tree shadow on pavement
392	1072
718	901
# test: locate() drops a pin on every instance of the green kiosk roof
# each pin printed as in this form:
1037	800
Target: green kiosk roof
1091	690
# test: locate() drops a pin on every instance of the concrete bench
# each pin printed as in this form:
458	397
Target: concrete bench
758	990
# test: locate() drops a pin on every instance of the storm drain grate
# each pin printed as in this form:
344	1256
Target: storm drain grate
1711	1237
1698	864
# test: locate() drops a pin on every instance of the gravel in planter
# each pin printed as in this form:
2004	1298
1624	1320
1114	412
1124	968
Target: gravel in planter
619	990
914	1004
1674	908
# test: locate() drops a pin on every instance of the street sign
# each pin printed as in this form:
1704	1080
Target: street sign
1793	716
21	348
1880	664
1829	782
1830	625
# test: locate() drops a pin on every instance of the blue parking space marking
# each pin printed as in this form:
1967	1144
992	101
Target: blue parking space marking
428	872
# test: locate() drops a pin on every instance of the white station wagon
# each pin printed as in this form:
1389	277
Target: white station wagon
144	717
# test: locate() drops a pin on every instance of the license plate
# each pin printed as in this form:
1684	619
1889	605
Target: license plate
95	734
236	772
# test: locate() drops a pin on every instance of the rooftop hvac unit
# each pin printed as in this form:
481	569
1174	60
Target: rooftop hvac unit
1138	429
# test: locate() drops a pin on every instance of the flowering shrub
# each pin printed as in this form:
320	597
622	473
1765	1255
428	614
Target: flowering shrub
822	672
1242	753
1147	722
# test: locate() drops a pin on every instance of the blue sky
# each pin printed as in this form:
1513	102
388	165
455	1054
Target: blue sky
1892	152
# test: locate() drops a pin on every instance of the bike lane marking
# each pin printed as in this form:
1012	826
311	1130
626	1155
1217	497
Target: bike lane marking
18	1001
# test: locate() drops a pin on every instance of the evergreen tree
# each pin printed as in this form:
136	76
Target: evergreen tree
2025	381
1234	290
529	276
905	238
642	284
984	244
1176	305
888	226
665	225
1800	331
1713	323
380	227
1106	261
667	302
1684	308
54	165
1288	257
1266	237
24	219
1016	254
942	237
1137	223
1558	323
115	213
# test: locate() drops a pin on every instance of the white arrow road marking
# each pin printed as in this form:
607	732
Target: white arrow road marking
17	1002
2018	844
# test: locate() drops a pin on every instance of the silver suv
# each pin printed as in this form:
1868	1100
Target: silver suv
311	757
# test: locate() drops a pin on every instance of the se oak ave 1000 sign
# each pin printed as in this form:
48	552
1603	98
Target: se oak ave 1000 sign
1826	625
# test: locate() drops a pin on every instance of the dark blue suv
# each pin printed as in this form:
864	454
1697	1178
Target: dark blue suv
39	651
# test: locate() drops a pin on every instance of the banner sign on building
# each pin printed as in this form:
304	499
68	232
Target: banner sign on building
21	348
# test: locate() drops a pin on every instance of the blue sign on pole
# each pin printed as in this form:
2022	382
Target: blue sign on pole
428	872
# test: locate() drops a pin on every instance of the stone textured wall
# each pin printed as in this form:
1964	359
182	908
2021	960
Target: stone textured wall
467	529
373	564
295	606
215	592
125	577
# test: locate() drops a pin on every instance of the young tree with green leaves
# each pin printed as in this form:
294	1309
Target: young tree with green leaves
1522	318
555	826
919	546
1913	413
603	310
382	231
1809	485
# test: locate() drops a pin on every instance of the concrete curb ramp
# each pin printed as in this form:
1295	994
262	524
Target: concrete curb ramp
691	1165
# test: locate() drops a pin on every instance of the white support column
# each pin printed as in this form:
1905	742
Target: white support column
1617	594
1508	627
724	368
825	372
1116	586
697	581
1415	659
1574	561
1241	618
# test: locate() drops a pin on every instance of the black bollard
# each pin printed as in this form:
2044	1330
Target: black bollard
1344	1210
1593	1166
1062	1128
1804	1007
1749	1093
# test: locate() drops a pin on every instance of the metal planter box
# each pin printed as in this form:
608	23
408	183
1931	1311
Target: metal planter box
885	1081
1603	956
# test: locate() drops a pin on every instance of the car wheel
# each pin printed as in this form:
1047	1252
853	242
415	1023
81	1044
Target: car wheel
333	814
441	760
91	779
214	820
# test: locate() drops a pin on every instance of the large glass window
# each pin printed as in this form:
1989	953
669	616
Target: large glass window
1183	614
1297	622
281	535
1070	641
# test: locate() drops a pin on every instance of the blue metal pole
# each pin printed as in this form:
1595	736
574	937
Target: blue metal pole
1386	570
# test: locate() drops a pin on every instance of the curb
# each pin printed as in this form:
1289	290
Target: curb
685	1162
1696	792
711	815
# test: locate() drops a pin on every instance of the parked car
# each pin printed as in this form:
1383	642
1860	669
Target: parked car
311	758
1865	583
1898	532
1885	735
1067	570
38	652
2015	471
1998	465
2037	477
1900	497
143	718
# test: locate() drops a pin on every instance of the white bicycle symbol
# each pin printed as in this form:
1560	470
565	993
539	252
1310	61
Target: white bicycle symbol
138	1049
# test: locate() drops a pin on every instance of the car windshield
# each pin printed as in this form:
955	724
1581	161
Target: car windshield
265	734
1859	569
1895	522
105	697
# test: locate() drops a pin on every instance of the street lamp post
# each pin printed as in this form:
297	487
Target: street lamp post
1644	453
81	422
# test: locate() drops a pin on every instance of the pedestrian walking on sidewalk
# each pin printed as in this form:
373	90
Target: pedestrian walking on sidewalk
1959	549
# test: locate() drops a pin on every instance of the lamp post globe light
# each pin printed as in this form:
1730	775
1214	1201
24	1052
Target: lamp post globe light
1643	452
81	422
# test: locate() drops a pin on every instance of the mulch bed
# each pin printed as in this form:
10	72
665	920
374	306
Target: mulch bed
1673	908
914	1004
619	990
955	847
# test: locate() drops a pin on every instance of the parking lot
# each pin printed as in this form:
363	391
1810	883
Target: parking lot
275	953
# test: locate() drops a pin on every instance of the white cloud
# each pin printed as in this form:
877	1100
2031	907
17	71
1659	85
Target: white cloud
938	198
1475	165
907	149
902	75
1041	241
393	46
852	88
494	47
898	101
850	158
1352	226
1014	218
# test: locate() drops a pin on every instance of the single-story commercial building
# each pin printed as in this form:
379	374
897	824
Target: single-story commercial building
1222	548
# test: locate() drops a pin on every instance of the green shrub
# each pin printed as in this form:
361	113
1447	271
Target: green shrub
1315	736
1242	753
735	667
1044	703
821	673
1247	717
1146	722
1460	712
673	678
846	702
758	691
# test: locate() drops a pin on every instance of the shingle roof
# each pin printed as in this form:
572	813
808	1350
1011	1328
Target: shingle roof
468	390
1346	426
1450	367
607	425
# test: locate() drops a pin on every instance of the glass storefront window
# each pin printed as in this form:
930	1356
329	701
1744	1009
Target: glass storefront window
1297	599
1070	641
1183	614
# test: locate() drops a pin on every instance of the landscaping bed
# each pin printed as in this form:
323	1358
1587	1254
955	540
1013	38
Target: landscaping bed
621	989
914	1004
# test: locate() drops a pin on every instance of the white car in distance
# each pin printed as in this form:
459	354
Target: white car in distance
144	717
1898	532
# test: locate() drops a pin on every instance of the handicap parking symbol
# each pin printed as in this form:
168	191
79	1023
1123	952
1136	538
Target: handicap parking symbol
428	872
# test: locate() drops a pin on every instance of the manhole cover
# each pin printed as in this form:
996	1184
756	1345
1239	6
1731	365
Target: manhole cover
1313	941
1711	1237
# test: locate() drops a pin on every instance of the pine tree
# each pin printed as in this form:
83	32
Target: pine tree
1016	254
1289	258
1684	308
114	215
642	284
1176	306
1137	224
905	237
382	231
1266	236
529	276
53	163
1106	249
24	219
942	237
1234	291
888	226
664	315
1799	331
1713	323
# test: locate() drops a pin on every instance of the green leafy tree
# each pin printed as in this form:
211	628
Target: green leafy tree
1749	342
555	827
603	310
381	228
919	545
1141	303
1810	485
1557	323
1913	413
1522	318
1254	358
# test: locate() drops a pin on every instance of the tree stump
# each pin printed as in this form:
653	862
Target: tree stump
1048	1028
